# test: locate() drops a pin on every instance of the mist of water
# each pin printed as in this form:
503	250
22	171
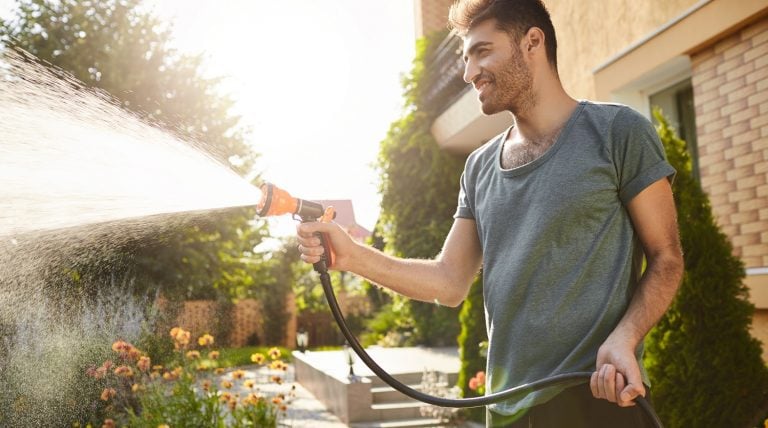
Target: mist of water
70	156
79	176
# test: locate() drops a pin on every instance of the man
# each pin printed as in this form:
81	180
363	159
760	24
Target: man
558	210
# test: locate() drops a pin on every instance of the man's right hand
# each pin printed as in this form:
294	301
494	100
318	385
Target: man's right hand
311	248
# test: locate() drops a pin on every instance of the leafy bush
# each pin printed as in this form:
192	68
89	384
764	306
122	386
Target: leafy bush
706	369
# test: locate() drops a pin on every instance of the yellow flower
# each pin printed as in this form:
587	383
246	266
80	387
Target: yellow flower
163	426
226	384
249	383
214	355
257	358
252	399
274	353
136	387
278	365
193	355
238	374
108	393
205	340
225	396
206	385
277	379
232	404
218	371
143	364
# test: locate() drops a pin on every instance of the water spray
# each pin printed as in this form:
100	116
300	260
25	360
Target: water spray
275	201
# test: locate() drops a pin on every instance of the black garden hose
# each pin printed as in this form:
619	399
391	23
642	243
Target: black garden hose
485	400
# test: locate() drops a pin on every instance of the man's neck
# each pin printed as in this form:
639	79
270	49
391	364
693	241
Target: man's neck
550	112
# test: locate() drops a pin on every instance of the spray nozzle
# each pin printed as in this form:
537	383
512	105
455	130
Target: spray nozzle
276	201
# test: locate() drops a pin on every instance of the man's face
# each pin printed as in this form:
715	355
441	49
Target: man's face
494	65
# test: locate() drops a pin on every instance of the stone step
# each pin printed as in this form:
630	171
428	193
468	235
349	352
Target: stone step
392	411
406	378
387	394
400	423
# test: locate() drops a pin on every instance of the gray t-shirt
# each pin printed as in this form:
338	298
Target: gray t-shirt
561	260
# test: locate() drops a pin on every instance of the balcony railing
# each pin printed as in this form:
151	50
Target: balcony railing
445	69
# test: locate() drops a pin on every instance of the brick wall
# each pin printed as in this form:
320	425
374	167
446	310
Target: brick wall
431	15
730	83
199	316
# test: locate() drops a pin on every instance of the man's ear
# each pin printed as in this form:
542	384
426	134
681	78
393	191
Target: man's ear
533	40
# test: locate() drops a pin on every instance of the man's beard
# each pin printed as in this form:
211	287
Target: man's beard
512	88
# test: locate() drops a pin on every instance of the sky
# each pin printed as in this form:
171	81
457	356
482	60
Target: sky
317	82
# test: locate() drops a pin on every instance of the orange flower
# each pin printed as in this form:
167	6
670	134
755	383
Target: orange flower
274	353
205	340
225	396
257	358
238	374
143	364
480	377
121	346
214	355
108	393
206	385
218	371
226	384
133	354
277	379
232	404
193	355
108	423
124	371
180	337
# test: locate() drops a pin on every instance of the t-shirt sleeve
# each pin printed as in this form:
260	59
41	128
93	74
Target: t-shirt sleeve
638	154
463	209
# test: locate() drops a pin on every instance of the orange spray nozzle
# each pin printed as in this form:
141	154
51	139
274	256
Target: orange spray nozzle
276	201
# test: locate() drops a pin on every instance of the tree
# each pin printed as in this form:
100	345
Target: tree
116	46
706	369
419	188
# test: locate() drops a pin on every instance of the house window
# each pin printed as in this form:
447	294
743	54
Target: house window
676	103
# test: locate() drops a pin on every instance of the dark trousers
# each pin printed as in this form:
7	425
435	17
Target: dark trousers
575	407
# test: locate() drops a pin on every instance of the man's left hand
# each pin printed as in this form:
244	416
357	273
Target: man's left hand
617	376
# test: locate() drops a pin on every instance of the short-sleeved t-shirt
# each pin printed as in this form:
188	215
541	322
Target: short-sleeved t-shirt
561	260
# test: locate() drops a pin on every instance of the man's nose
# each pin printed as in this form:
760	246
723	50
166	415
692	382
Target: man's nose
470	71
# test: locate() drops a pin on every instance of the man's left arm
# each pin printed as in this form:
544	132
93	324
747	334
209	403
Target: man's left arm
617	376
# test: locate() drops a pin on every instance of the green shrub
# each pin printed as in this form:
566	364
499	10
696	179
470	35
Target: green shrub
473	334
706	369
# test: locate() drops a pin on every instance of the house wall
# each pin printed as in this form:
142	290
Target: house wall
730	79
590	33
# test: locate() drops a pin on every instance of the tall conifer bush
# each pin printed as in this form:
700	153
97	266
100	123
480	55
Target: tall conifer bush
706	369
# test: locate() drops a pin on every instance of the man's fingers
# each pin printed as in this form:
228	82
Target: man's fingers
629	393
593	385
608	375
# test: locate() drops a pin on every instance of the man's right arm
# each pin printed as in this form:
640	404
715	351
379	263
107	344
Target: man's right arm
445	280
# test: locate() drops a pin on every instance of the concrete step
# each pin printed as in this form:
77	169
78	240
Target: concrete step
406	378
400	423
392	411
387	394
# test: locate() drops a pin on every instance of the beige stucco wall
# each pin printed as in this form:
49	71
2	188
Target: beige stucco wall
589	33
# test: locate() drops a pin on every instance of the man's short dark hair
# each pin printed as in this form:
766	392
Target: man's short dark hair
514	17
